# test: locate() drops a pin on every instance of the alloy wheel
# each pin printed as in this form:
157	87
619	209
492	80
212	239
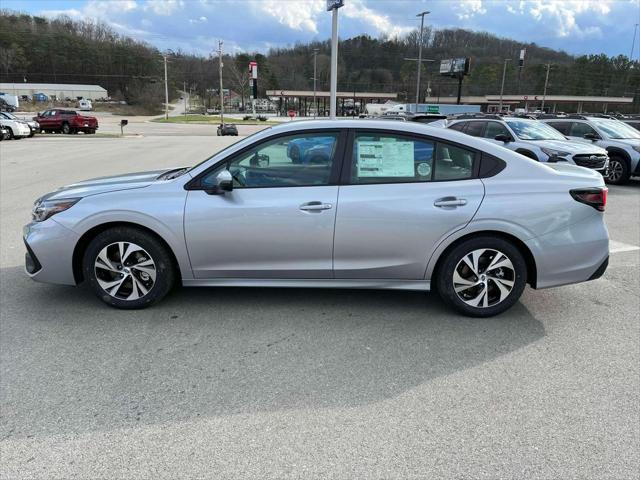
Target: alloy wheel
616	170
125	270
484	278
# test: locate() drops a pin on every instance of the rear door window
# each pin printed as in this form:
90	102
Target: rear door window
388	158
459	127
475	129
453	163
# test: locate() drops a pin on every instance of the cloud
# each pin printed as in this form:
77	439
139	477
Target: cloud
164	7
467	9
380	22
295	14
563	15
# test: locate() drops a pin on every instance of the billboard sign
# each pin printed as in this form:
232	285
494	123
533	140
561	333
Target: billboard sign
454	66
331	4
523	52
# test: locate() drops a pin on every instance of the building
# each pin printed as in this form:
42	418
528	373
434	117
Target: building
552	103
302	101
55	91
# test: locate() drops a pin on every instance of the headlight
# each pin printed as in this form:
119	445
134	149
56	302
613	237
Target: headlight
555	153
636	148
46	208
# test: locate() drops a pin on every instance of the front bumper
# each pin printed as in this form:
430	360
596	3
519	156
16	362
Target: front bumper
49	256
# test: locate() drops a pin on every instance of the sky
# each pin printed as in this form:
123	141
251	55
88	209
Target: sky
195	26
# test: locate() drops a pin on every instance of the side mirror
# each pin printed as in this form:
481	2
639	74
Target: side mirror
502	138
224	183
591	136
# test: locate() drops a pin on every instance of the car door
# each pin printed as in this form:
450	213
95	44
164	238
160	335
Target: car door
578	130
45	119
279	219
400	195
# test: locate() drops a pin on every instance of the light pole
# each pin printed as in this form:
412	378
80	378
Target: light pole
221	92
504	73
333	6
420	62
166	90
546	82
315	78
421	15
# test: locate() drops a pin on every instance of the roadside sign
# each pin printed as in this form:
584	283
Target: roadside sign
291	113
433	109
331	4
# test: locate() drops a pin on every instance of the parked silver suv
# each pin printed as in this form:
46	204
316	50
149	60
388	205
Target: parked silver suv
620	140
379	204
532	139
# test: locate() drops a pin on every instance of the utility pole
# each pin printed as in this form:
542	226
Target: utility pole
504	73
166	90
315	78
184	92
220	65
546	82
633	43
421	15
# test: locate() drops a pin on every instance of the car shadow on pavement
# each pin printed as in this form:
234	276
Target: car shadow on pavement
71	364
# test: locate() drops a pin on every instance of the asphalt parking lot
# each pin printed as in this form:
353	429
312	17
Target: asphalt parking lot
238	383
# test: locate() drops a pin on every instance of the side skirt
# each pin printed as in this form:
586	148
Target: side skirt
423	285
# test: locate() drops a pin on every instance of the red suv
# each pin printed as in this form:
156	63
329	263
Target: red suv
66	121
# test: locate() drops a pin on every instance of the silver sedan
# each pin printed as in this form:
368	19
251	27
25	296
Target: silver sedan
348	204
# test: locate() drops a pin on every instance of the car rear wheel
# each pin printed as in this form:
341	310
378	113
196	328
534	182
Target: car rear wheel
128	268
482	276
618	171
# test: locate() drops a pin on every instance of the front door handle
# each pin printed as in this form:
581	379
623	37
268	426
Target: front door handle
315	206
450	202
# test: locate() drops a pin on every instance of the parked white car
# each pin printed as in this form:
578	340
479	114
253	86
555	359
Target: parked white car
17	128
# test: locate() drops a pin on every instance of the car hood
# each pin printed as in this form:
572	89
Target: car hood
95	186
573	147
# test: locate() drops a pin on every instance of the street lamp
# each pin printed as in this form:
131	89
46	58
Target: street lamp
504	72
421	15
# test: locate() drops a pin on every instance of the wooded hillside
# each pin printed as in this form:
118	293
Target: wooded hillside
65	51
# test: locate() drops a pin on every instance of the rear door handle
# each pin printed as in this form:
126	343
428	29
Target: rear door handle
450	202
315	206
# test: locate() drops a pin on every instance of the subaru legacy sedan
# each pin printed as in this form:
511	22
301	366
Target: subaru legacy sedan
379	205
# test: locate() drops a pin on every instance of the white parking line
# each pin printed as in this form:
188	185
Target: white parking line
617	247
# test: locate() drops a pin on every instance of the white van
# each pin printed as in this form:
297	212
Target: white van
85	105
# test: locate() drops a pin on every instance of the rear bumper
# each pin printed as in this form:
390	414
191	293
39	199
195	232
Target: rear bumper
571	255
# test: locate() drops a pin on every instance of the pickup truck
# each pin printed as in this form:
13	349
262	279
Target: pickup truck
66	121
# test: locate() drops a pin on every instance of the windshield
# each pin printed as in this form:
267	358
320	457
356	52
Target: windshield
615	129
9	116
534	130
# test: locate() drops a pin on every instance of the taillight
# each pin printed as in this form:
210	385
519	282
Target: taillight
594	197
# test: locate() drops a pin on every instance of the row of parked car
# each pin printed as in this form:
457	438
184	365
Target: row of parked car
56	120
608	144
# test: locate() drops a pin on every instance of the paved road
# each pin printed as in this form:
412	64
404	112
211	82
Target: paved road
274	383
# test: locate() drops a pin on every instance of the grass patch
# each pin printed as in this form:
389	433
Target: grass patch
211	119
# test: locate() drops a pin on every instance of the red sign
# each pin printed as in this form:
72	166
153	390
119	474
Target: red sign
526	97
291	113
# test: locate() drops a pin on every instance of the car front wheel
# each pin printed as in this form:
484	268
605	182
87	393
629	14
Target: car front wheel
482	276
128	268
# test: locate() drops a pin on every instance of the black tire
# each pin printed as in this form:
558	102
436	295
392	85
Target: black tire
66	129
445	275
11	136
165	272
619	171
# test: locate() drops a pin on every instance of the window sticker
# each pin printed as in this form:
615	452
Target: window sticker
424	169
385	159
